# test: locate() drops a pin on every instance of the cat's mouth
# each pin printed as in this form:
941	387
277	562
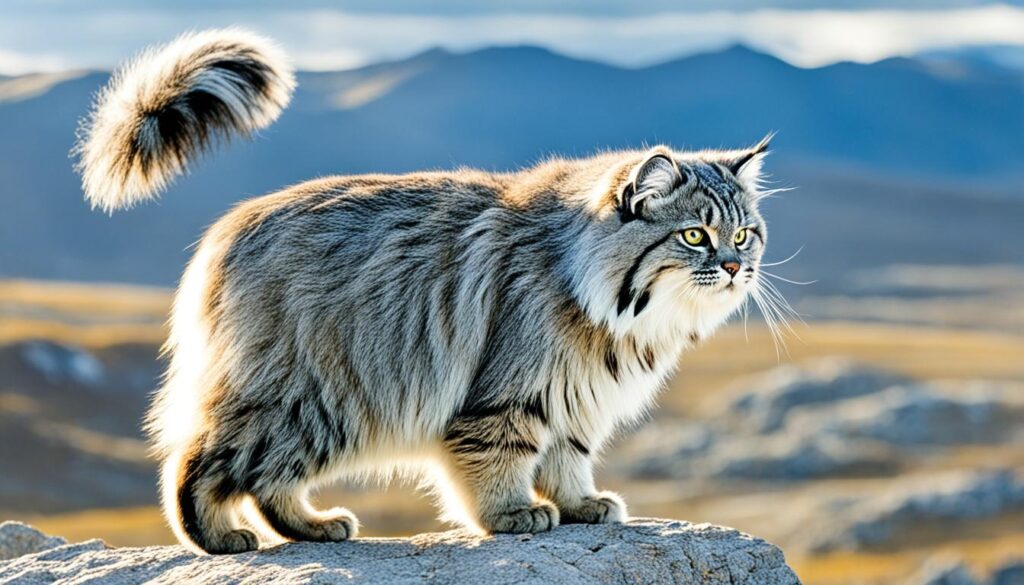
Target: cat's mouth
733	287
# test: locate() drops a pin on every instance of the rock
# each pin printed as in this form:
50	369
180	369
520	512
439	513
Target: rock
18	539
941	499
1011	573
830	419
642	551
789	457
666	450
944	573
775	393
63	362
915	415
955	572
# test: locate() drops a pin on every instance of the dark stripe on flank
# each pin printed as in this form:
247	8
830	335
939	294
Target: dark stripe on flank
535	408
219	462
259	451
475	410
464	445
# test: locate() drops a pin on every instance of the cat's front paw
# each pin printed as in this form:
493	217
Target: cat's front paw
600	508
539	517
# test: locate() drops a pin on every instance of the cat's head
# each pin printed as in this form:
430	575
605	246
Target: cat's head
686	236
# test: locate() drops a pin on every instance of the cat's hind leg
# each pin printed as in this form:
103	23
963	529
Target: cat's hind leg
311	443
289	513
200	498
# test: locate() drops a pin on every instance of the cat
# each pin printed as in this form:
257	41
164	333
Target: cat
489	331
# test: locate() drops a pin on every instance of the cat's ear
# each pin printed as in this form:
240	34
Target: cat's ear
746	165
654	178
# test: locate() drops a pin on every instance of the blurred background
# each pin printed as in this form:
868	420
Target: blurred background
884	445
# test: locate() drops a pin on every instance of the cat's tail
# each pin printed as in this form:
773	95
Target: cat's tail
168	105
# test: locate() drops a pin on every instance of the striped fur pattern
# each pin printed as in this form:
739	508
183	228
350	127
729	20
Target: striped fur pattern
169	104
488	331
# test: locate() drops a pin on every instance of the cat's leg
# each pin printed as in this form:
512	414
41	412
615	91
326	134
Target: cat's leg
288	512
491	460
566	477
200	497
311	443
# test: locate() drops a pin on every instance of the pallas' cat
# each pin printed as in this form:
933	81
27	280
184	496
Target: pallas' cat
488	330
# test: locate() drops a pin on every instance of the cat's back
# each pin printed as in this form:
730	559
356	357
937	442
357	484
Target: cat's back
365	203
346	219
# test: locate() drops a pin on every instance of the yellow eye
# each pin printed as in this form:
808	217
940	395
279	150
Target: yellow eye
693	236
741	236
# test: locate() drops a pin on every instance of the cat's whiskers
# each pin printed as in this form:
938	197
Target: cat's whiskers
784	305
746	314
770	320
781	262
776	311
783	279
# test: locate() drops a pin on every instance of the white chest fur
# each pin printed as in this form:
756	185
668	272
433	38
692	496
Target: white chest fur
647	351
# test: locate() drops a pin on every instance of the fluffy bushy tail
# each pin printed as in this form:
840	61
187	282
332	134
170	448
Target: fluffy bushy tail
169	104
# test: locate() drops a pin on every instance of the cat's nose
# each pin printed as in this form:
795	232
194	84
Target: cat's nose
731	267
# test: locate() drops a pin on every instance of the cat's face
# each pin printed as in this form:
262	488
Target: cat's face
721	235
695	234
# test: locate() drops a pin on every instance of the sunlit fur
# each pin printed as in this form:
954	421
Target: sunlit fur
489	331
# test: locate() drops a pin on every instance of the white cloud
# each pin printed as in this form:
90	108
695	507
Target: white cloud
15	63
821	37
331	39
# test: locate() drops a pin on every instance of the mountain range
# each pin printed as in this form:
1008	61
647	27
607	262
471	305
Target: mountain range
908	146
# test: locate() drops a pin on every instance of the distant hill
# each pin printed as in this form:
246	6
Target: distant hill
995	58
899	133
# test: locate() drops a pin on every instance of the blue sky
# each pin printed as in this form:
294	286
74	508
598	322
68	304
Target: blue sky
50	35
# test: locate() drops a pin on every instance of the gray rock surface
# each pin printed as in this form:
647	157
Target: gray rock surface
793	457
945	498
955	572
17	539
58	362
915	415
772	395
829	418
1012	573
642	551
944	573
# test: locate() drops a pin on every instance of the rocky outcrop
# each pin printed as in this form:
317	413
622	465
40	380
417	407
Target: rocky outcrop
771	396
827	419
954	572
944	499
642	551
17	539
